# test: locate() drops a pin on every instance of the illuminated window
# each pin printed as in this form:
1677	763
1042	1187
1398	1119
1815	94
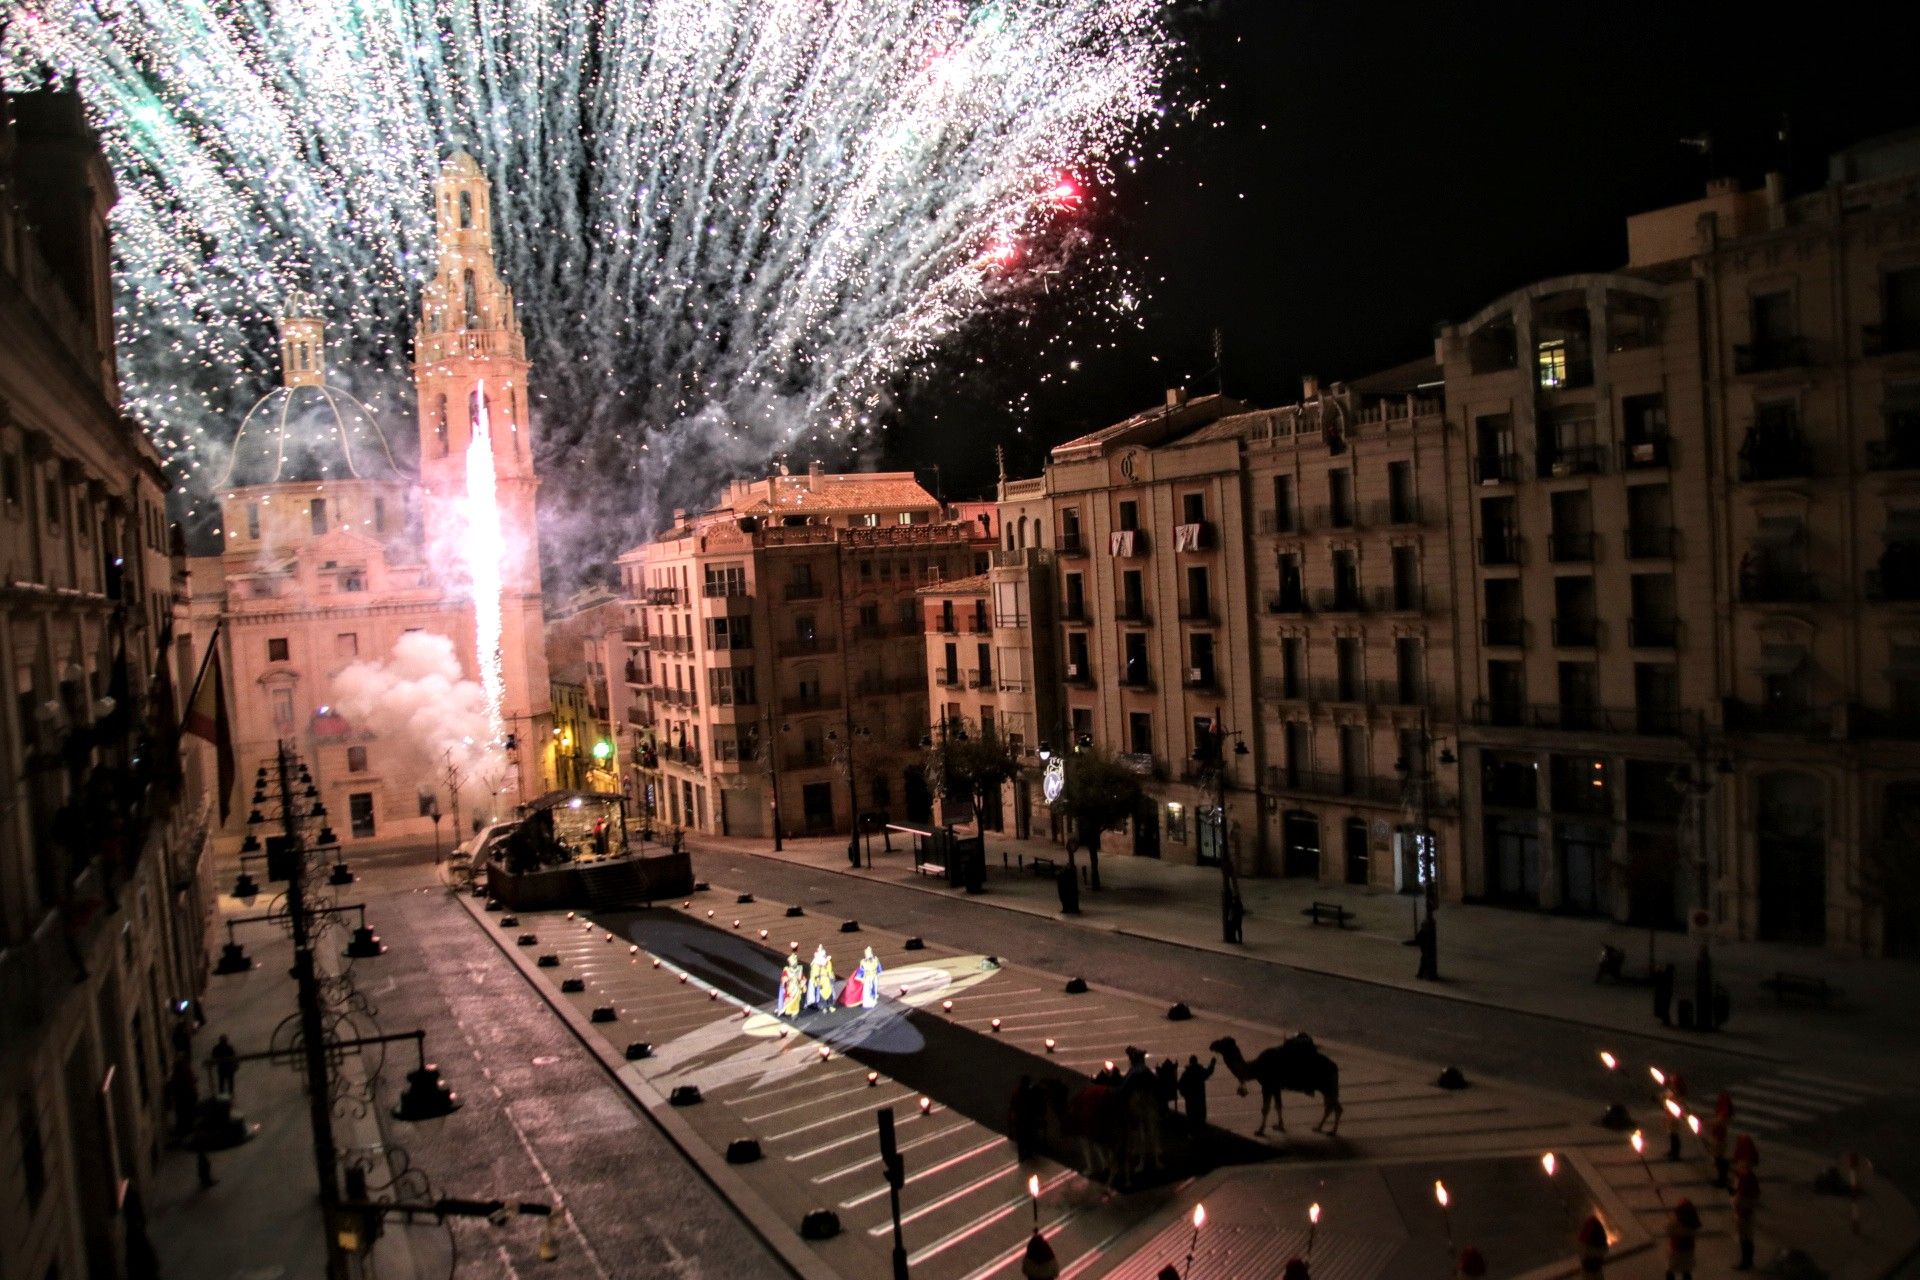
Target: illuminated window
1553	363
1177	823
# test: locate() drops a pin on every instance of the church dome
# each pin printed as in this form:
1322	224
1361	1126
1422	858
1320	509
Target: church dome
305	430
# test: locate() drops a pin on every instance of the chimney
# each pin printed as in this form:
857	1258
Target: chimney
814	472
1176	397
1309	387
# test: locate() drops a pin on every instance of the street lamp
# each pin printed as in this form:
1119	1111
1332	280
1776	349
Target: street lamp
1695	783
1211	754
846	747
1419	791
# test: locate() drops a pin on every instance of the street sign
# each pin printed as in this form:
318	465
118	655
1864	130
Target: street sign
1054	781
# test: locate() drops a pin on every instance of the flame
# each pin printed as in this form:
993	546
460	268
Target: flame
1033	1185
486	554
1673	1108
1639	1143
1608	1061
1659	1076
1548	1163
1693	1123
1440	1192
1313	1214
1199	1216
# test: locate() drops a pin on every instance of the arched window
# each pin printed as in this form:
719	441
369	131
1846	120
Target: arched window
466	210
440	424
1022	541
1008	530
472	299
1039	538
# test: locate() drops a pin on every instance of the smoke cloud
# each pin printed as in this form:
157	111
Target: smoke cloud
426	710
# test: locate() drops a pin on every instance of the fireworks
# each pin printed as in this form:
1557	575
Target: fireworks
731	224
484	548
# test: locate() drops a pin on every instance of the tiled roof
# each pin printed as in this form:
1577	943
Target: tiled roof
977	585
811	494
1156	426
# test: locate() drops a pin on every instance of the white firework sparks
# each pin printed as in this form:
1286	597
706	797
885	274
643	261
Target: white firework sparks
484	549
731	224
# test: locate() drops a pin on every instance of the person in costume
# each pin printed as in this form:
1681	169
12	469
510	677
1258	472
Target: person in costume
863	988
820	980
793	985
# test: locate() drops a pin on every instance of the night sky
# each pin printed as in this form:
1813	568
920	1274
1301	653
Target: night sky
1361	173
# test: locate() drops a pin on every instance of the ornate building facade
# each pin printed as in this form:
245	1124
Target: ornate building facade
333	550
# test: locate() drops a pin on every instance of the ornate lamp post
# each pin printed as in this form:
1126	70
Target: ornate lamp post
1418	777
1695	783
1211	755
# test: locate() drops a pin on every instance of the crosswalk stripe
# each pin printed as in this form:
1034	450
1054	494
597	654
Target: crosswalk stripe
838	1116
982	1223
1828	1082
1850	1092
1773	1111
927	1172
941	1202
870	1161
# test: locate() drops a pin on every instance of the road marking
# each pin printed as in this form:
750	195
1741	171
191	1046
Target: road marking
982	1223
934	1206
927	1172
843	1115
870	1161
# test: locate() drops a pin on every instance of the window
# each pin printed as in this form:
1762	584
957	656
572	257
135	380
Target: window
466	210
1899	328
1346	658
1076	603
277	649
10	481
346	644
1132	596
732	687
1176	822
1129	515
356	759
1406	578
1553	362
253	520
1407	670
1193	508
725	580
1283	504
317	515
471	299
1199	593
1340	498
1291	591
1077	664
1293	667
353	580
1082	726
440	440
1644	418
1140	733
283	709
1200	659
360	812
1773	316
1346	579
730	633
1402	507
52	488
1137	673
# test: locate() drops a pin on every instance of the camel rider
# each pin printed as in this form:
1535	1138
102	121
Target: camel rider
1138	1072
1193	1089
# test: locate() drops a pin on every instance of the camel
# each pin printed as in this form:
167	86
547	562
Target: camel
1295	1065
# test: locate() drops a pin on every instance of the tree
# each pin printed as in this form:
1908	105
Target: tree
966	765
1100	793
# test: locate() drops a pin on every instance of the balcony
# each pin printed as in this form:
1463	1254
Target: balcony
1127	544
980	677
1502	549
1196	535
1767	355
1139	678
1753	717
1287	602
1405	598
1496	468
663	595
1895	453
1398	693
724	589
947	624
1339	600
1652	543
1201	612
633	675
1198	678
1392	513
1350	786
1774	453
1653	633
1275	522
1134	611
948	677
1559	462
801	704
1889	339
1572	548
979	625
1576	633
1073	611
805	646
1778	586
633	635
1652	454
807	757
803	590
1079	675
638	716
1343	515
684	757
1581	717
1070	543
1503	633
673	644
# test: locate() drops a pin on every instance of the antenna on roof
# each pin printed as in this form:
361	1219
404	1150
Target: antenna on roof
1219	363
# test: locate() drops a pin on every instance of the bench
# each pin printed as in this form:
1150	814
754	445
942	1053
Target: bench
1816	990
1044	867
1322	912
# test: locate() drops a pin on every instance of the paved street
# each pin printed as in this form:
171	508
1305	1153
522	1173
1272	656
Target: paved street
541	1122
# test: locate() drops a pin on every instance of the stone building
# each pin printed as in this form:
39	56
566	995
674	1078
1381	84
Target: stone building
333	548
584	651
782	639
1349	561
103	848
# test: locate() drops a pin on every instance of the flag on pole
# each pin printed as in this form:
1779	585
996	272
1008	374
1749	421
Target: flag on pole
166	717
207	720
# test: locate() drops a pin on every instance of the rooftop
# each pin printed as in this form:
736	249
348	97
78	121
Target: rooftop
976	585
818	493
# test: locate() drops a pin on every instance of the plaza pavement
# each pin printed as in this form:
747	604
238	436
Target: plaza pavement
965	1211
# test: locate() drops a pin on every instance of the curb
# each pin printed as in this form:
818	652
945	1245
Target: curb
760	1218
1439	992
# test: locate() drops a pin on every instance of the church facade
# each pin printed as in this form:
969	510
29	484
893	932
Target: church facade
333	549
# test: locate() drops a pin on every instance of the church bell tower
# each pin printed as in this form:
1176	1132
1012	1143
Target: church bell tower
470	367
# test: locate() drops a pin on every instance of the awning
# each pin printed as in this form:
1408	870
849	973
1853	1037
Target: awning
1781	659
1779	531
